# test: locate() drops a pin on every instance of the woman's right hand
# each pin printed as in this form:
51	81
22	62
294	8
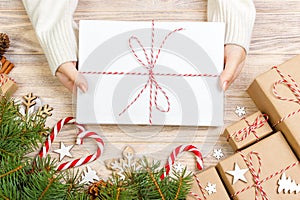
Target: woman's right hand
69	76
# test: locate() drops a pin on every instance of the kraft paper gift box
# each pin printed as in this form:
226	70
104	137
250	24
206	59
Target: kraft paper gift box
247	131
7	85
277	160
176	84
283	112
207	179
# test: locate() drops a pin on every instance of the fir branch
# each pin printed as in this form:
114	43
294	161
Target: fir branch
47	188
4	197
179	188
11	171
155	183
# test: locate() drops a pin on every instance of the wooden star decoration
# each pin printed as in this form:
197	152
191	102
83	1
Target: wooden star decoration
238	174
64	151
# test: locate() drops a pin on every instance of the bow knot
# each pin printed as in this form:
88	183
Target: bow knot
255	174
242	134
151	83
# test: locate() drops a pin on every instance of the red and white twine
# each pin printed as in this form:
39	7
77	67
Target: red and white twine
81	135
259	190
294	88
178	150
149	66
4	79
197	196
251	128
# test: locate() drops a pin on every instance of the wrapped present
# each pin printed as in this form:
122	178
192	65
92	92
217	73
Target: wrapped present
208	185
7	85
166	74
248	130
277	93
255	172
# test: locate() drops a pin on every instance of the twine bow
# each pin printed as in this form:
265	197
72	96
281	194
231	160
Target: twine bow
294	88
255	174
152	83
246	131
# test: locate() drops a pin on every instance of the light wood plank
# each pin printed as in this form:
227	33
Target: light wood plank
268	37
277	6
276	38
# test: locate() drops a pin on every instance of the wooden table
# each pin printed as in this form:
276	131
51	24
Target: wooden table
276	38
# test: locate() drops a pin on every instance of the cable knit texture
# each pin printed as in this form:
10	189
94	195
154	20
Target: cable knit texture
55	29
239	17
57	32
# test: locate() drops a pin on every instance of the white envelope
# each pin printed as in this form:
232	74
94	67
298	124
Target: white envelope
192	101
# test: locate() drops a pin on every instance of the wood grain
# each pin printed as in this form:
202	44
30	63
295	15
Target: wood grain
276	38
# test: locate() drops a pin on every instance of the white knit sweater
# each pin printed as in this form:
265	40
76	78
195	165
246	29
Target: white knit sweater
57	32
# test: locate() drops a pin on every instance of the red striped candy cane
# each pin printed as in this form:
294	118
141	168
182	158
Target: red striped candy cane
81	135
178	150
87	159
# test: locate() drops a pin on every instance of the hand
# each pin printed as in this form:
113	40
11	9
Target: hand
234	59
68	75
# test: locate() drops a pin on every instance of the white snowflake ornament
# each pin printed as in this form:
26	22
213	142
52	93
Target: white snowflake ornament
218	154
211	188
89	176
240	111
178	167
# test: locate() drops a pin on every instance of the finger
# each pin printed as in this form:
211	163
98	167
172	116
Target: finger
234	61
81	83
65	81
69	70
69	76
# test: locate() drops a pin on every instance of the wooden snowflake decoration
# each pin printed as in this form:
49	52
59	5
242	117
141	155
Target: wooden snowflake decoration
32	103
211	188
45	111
240	111
125	165
29	101
218	154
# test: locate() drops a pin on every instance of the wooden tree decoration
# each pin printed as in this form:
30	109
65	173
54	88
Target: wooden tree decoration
29	101
45	111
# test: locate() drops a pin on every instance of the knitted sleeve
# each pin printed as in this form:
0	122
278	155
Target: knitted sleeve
239	18
55	28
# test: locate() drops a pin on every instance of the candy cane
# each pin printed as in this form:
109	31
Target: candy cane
82	134
87	159
177	151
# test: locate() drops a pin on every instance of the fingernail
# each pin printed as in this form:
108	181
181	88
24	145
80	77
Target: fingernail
83	88
224	86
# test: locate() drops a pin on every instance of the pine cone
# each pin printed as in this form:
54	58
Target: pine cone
4	43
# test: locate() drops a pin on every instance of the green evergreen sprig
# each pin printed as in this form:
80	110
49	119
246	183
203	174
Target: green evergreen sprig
27	178
144	184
